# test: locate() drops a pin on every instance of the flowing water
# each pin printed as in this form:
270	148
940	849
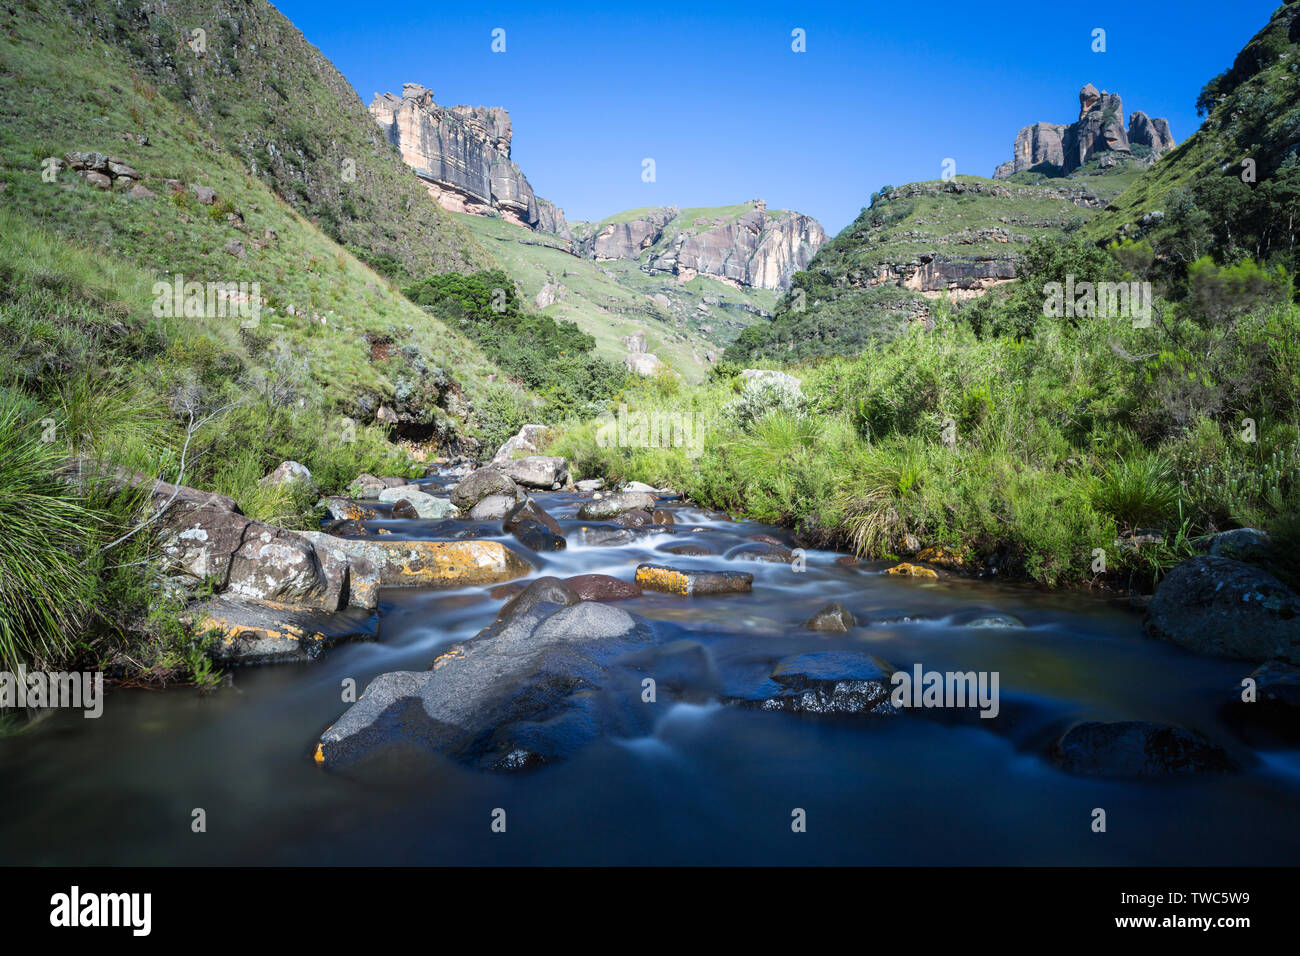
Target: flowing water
712	784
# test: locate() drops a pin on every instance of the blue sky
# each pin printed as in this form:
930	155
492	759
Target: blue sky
715	95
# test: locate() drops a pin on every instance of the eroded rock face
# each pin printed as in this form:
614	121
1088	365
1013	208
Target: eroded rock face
627	240
462	153
756	249
1054	148
1215	605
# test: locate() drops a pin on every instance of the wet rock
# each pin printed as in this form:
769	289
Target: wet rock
652	577
529	510
611	506
766	539
546	589
426	506
608	536
602	587
1131	748
537	471
912	571
760	551
1269	703
590	484
1220	606
438	564
994	620
248	632
662	516
524	692
834	618
536	536
345	509
687	549
290	474
636	518
942	558
492	508
826	683
505	591
683	669
480	484
848	561
405	510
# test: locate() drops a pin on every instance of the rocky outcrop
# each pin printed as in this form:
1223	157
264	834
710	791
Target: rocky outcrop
462	154
756	249
1057	149
1152	133
627	240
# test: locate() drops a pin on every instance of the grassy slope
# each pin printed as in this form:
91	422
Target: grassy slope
1259	119
610	307
100	96
272	100
952	220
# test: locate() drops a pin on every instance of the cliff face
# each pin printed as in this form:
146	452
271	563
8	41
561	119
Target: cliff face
462	154
748	247
1049	147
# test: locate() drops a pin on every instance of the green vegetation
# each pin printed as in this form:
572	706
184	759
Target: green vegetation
551	358
1022	445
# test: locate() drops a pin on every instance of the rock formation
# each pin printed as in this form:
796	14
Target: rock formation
462	154
1053	148
756	249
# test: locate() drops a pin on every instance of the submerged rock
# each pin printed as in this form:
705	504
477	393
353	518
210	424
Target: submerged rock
761	551
1274	701
994	620
653	577
824	682
526	691
1220	606
834	618
1132	748
696	550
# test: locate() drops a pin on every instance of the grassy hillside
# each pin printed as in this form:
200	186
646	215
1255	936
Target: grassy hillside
268	97
854	291
1253	118
611	300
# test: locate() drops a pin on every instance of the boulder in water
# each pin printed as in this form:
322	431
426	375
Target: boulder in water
1220	606
824	683
653	577
602	587
537	471
529	510
834	618
480	484
611	506
1134	748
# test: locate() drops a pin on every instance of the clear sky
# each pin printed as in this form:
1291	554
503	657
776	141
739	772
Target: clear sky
713	92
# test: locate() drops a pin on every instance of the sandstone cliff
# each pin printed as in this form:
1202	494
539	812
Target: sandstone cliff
746	246
1061	149
462	154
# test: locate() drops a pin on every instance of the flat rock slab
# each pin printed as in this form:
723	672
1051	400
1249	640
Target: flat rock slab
653	577
247	632
521	693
